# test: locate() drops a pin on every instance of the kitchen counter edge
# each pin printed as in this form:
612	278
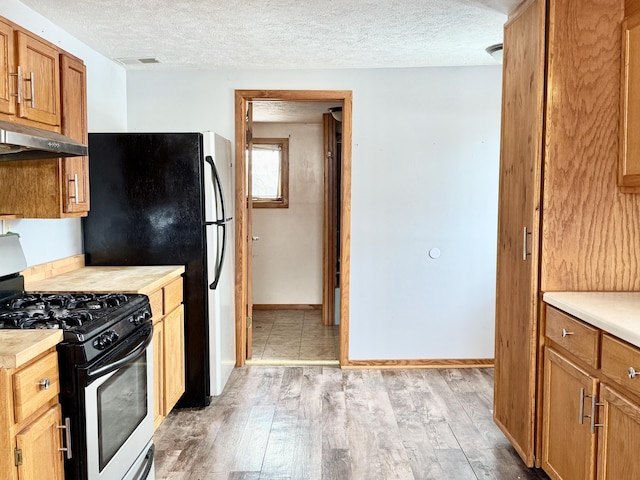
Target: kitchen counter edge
18	347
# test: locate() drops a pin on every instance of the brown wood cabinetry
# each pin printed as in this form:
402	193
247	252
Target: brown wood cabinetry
7	67
59	187
75	182
31	446
591	398
560	209
568	447
168	344
29	78
53	98
39	79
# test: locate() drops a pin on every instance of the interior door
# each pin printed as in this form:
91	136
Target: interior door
330	219
249	298
517	286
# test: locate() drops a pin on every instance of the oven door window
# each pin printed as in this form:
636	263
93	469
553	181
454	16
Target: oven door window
122	406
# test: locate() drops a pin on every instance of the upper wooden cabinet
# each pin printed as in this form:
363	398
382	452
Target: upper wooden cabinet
629	169
54	97
7	66
39	79
29	78
75	185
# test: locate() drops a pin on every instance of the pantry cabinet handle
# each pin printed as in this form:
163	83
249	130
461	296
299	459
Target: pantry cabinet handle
524	244
67	436
45	383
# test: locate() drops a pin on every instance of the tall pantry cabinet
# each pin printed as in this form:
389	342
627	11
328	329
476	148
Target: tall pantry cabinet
563	222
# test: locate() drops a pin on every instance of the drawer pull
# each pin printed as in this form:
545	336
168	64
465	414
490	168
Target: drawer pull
44	384
632	372
565	333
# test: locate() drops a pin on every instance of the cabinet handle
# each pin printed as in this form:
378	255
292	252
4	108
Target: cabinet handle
31	80
75	183
524	244
67	437
594	404
565	333
18	84
632	372
45	383
581	420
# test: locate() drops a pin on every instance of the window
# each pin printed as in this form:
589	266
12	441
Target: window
270	172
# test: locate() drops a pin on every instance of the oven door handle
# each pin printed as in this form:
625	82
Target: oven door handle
136	344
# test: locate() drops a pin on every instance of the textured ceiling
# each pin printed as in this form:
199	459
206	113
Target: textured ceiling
285	34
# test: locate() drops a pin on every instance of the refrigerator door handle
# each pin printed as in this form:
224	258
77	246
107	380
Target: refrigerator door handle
217	189
219	254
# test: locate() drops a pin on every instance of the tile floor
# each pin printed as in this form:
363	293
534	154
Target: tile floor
293	335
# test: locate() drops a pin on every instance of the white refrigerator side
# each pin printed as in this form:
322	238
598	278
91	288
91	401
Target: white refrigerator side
222	331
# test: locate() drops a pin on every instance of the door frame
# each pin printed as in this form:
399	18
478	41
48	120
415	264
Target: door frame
241	99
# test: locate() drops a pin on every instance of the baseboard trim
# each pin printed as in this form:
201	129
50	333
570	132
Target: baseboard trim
286	306
422	363
293	363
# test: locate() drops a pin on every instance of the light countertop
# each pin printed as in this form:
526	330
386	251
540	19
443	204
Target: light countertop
135	279
617	313
20	346
17	347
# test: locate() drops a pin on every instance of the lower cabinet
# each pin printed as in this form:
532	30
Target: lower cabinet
569	447
591	403
31	431
619	436
168	345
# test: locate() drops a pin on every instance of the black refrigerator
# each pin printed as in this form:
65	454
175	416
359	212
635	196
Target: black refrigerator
155	201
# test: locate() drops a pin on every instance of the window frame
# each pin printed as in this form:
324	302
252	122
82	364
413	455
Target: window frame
283	201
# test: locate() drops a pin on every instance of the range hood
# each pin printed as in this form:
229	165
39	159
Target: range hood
20	142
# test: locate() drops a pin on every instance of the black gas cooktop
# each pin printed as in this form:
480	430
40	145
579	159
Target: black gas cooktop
80	315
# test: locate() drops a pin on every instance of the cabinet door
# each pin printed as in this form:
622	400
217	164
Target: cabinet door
40	79
174	376
75	188
619	437
40	443
518	226
158	372
7	67
568	443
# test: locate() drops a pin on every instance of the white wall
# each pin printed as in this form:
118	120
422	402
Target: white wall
425	174
287	260
46	240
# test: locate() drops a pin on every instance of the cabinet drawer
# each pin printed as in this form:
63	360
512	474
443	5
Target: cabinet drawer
618	358
172	295
576	337
29	389
156	301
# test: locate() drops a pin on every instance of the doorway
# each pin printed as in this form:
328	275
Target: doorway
245	100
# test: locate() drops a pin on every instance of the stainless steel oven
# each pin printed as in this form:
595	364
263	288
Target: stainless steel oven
116	393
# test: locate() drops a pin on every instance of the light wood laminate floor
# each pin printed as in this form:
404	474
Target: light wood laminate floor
289	336
298	423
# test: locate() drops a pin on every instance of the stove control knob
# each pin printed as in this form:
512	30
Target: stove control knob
106	339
